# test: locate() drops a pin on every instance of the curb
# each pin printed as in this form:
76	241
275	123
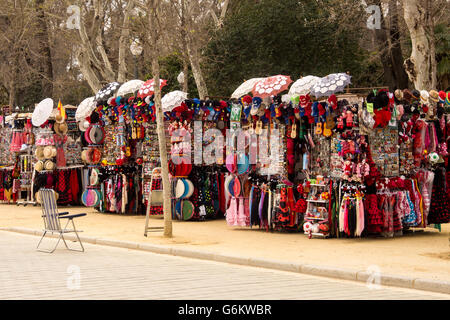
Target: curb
322	271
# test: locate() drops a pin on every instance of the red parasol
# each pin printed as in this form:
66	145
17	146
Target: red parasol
271	86
147	88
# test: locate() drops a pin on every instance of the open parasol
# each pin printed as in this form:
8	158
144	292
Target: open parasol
130	87
107	91
85	109
147	88
173	99
245	87
303	85
330	84
42	112
271	86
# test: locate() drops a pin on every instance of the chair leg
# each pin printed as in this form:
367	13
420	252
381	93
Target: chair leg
48	251
79	240
45	232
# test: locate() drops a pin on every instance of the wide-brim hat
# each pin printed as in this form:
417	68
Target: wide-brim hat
424	96
49	165
407	95
415	94
49	152
84	156
97	135
37	196
187	210
39	153
39	166
398	94
434	95
83	125
61	128
59	118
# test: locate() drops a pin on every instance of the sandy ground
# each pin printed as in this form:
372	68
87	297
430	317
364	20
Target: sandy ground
421	254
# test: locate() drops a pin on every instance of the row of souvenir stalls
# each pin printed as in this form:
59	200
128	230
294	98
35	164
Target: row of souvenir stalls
308	161
34	155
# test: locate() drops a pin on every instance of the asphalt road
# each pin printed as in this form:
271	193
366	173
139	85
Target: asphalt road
104	272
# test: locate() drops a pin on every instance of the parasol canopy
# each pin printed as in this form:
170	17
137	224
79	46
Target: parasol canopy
173	99
330	84
245	87
42	112
303	85
271	86
147	88
130	87
85	109
107	91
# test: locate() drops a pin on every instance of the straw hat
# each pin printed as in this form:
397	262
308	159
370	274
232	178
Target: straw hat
49	165
38	196
59	118
84	156
61	128
398	94
434	96
39	153
424	95
39	166
49	152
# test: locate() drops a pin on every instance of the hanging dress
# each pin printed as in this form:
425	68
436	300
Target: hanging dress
439	208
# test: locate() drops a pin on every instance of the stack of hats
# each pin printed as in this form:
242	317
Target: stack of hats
45	156
60	126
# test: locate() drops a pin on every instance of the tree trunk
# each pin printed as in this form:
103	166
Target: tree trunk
421	65
46	65
12	93
381	37
197	71
185	73
192	52
154	40
185	49
123	43
401	78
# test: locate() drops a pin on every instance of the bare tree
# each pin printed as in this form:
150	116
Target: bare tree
154	20
421	65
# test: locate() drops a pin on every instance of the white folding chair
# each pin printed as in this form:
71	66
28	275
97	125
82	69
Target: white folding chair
52	218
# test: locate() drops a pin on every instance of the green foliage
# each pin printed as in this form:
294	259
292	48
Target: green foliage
269	37
442	34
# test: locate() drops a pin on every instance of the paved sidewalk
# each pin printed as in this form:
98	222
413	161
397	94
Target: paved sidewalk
104	272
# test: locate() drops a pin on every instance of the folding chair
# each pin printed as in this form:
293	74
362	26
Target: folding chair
52	218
